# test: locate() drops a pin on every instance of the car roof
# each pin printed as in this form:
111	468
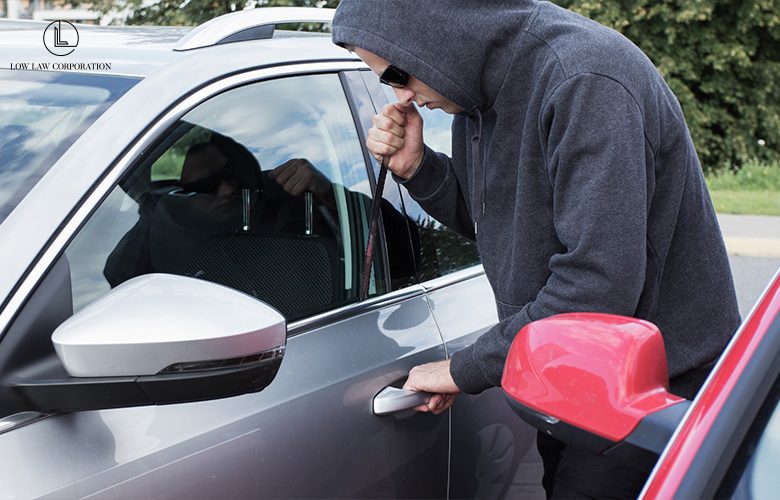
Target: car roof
23	41
143	50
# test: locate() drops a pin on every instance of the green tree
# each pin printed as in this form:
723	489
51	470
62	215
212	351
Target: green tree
722	60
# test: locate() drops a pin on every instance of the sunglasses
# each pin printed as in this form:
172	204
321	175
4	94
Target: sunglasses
395	77
209	183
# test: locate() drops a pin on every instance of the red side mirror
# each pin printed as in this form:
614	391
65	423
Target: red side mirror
590	379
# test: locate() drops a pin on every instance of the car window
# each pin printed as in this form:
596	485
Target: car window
41	115
441	250
263	188
753	473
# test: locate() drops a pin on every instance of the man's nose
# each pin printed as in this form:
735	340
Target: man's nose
404	95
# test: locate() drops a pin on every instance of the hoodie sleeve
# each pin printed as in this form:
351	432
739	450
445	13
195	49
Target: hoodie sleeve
436	187
592	132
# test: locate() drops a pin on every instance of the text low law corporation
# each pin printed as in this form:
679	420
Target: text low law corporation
44	66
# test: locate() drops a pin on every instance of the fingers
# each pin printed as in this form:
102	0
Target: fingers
298	175
297	186
396	132
287	178
382	143
447	402
397	112
387	124
386	136
438	404
432	377
435	403
404	108
283	172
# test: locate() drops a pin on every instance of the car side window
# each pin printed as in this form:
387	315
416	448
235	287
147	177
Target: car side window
441	251
753	472
262	188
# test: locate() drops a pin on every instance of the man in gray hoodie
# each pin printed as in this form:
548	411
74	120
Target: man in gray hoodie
573	169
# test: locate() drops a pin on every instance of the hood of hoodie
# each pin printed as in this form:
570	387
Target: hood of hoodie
461	49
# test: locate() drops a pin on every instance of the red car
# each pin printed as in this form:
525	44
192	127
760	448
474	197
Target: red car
600	381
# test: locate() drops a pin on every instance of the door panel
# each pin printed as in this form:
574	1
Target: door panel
310	434
483	425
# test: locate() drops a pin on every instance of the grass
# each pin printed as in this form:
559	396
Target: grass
753	189
746	202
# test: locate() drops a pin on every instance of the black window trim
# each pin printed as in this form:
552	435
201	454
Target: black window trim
354	91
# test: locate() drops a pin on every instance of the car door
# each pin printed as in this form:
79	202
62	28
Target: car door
262	187
728	443
493	453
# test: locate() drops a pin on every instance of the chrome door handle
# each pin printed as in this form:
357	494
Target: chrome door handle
391	400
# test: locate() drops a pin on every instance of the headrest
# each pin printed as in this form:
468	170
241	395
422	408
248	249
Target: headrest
204	168
246	168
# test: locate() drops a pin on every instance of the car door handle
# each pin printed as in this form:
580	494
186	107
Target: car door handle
392	400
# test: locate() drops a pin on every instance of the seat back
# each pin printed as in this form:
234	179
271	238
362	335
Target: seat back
296	274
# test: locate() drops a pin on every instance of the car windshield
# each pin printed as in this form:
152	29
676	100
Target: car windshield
41	116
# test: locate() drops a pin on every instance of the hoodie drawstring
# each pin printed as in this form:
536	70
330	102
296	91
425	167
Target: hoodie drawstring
480	182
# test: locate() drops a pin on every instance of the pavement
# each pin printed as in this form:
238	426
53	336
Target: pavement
751	235
753	243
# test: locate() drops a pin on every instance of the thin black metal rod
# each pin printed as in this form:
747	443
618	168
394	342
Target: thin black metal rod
372	229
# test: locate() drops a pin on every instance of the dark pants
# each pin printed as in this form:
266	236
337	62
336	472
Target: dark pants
571	472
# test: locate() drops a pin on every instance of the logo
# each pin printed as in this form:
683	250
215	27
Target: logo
61	38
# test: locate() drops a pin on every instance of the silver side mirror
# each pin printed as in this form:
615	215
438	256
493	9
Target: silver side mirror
160	323
157	339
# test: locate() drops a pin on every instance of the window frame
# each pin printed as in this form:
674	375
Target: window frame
340	156
363	109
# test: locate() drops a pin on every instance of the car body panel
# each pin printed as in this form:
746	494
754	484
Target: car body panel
483	425
143	51
684	448
142	60
314	419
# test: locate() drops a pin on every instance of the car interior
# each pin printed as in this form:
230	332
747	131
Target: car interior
226	221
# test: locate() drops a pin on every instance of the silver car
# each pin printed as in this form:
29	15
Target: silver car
184	216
